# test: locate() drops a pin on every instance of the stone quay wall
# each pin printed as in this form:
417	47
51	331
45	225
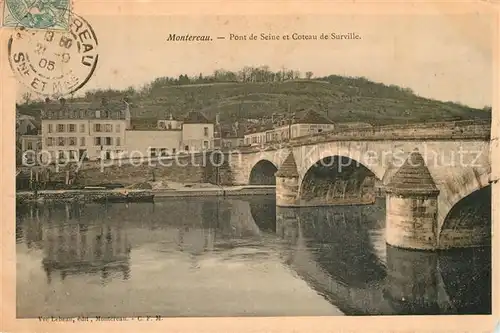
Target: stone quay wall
186	169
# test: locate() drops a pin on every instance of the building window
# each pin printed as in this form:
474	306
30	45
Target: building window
152	152
82	128
29	145
73	155
205	131
97	127
82	141
61	154
117	128
72	128
173	150
60	128
108	127
163	152
117	142
169	126
205	144
108	141
49	129
72	141
60	141
49	141
97	141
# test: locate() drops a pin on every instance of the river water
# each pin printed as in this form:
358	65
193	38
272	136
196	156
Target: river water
233	257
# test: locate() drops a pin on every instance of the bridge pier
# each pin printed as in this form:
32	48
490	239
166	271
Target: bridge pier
412	282
287	183
411	206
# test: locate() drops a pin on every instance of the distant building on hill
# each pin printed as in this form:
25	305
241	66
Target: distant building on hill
106	130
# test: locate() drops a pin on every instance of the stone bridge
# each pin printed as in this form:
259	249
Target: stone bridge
425	169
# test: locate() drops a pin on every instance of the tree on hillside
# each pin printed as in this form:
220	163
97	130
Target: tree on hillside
184	79
309	75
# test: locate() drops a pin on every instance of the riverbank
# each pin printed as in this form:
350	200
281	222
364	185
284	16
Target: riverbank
84	195
131	195
222	191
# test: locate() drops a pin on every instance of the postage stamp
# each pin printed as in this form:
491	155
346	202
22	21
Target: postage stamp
54	63
37	14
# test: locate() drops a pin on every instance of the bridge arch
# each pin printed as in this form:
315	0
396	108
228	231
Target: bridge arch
337	179
453	190
468	222
262	173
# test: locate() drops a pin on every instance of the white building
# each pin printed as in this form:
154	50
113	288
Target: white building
81	130
197	132
302	124
107	131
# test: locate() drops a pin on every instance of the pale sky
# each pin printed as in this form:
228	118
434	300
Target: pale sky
440	57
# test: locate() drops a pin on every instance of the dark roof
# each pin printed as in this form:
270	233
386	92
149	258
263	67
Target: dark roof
288	168
56	109
258	128
413	177
196	117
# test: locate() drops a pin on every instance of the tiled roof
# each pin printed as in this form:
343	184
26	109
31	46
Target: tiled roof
70	109
258	129
196	117
413	177
288	168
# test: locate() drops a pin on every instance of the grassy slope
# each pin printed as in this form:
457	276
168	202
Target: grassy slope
346	99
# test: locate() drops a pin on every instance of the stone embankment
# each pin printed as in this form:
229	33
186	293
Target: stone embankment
173	189
143	190
82	195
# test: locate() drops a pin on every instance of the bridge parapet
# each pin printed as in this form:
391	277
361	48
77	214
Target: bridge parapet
454	130
458	130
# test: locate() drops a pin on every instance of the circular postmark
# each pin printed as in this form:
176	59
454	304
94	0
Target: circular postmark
54	63
39	14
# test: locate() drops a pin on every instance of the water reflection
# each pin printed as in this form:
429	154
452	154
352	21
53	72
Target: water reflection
334	250
180	250
73	243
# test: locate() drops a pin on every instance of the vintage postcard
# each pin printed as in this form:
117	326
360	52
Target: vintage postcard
264	167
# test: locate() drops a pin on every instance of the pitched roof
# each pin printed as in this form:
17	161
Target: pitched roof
258	128
70	109
196	117
413	177
288	168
